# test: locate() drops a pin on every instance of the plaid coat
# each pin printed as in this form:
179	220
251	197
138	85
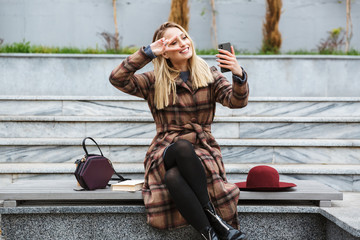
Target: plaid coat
189	118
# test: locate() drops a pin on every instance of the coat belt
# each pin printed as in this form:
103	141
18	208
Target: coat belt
198	128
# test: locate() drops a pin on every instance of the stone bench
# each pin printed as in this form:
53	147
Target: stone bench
52	209
43	191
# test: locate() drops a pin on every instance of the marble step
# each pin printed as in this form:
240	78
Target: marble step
258	151
132	106
144	127
342	177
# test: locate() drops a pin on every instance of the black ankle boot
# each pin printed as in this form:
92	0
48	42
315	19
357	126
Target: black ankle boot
208	233
222	229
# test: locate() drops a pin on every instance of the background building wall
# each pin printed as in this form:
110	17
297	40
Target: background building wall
77	23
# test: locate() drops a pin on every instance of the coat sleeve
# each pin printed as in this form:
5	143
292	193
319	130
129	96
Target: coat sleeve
123	77
230	95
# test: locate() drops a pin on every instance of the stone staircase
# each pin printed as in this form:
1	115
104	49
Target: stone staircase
303	138
42	125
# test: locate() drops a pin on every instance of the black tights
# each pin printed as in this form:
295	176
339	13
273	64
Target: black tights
185	179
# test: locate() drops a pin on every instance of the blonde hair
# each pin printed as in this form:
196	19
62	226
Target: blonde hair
166	75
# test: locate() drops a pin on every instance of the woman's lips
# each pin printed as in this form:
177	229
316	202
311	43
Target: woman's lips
185	50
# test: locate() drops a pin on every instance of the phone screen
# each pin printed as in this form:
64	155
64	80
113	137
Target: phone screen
227	47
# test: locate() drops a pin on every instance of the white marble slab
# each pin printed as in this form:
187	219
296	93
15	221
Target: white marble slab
225	130
6	179
255	155
338	182
18	154
312	155
41	130
120	130
294	108
294	169
356	183
231	154
298	130
98	129
21	107
59	154
286	155
287	142
120	106
143	127
235	177
126	154
342	143
105	108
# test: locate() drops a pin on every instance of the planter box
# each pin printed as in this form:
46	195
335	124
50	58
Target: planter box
269	76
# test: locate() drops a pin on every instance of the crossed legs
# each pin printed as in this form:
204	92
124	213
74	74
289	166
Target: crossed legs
185	179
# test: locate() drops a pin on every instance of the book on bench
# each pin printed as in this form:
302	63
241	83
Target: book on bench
128	185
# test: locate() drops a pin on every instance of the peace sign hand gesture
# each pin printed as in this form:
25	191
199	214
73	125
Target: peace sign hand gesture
162	45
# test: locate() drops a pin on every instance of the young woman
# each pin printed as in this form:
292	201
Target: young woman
185	181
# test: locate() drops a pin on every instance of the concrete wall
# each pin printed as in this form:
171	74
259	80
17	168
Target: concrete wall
269	76
77	22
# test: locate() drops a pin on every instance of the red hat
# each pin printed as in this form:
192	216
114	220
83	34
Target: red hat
264	178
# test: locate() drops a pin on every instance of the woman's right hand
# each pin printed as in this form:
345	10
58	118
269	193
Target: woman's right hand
162	45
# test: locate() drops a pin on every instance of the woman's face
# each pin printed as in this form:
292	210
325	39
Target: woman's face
182	42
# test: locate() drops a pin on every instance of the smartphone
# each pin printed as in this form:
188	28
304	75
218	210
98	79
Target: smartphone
227	47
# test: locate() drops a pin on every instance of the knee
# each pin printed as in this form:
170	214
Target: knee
183	146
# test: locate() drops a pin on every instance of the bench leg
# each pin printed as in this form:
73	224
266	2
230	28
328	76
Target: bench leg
325	203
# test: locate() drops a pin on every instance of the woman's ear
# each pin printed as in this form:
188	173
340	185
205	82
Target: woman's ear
165	55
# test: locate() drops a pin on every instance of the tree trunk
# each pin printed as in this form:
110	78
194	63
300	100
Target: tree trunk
214	30
272	36
179	13
348	25
116	27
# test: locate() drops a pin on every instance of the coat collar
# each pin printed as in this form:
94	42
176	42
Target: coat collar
188	85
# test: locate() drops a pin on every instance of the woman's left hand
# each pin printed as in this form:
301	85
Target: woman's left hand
228	60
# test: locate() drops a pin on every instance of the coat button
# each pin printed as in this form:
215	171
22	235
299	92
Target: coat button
194	120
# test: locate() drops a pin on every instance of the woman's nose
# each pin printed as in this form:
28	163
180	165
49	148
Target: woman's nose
181	41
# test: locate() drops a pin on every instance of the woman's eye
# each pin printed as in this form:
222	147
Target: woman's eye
173	43
185	37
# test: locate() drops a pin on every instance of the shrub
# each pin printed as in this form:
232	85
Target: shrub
334	41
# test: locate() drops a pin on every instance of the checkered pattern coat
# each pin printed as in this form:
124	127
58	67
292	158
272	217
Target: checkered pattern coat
189	118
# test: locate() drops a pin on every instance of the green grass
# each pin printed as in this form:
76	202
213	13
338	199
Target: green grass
26	47
206	51
304	52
